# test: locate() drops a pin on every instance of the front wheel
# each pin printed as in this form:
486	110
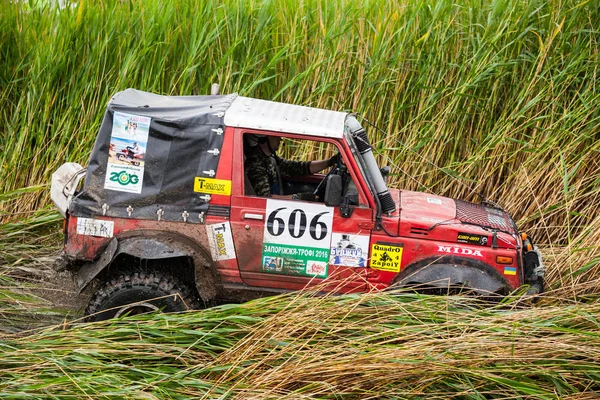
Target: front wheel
139	293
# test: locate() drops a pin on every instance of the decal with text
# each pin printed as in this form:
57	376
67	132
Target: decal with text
212	186
297	238
349	250
95	227
126	153
220	241
472	238
459	250
431	220
386	257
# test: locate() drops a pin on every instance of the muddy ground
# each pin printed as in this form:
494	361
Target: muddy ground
55	296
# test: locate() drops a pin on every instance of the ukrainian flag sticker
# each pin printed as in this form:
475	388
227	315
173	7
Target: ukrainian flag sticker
510	271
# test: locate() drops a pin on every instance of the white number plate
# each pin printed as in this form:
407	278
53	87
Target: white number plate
95	227
297	238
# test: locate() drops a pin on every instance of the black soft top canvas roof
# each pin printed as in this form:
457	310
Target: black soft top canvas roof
197	110
147	154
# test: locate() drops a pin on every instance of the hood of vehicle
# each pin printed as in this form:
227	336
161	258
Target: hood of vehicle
426	208
428	216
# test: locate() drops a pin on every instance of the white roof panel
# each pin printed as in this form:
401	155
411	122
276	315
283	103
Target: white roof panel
245	112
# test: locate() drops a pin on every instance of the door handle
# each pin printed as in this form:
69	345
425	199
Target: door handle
258	217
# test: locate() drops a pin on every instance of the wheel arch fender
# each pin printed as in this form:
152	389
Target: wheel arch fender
155	245
454	270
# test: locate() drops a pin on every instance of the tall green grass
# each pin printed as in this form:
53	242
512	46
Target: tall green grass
501	94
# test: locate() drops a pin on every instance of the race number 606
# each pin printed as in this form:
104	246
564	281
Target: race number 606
296	224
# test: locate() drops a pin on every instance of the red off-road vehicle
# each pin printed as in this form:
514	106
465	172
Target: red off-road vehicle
183	226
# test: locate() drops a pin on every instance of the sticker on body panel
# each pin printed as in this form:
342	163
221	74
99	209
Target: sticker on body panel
459	250
220	241
95	227
296	239
432	200
386	257
212	186
472	238
126	153
349	250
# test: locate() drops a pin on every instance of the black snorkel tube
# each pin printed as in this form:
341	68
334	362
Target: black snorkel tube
365	150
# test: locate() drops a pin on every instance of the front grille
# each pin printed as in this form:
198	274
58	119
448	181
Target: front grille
477	214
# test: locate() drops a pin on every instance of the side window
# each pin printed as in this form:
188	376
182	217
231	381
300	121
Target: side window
289	168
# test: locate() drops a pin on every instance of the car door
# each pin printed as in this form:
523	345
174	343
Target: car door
291	244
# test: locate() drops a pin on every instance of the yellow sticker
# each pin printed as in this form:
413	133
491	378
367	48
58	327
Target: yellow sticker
212	186
386	257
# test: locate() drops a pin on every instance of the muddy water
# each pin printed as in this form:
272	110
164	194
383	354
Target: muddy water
54	291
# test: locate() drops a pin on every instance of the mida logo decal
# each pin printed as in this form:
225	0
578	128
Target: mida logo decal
459	250
124	178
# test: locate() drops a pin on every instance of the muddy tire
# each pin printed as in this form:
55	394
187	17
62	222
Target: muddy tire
138	293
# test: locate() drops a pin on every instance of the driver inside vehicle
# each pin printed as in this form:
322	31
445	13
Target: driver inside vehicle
266	171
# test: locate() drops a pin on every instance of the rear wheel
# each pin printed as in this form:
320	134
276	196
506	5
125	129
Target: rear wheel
139	293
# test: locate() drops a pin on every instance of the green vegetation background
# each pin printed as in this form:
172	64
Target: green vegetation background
502	94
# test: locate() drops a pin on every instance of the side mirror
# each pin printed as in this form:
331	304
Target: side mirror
385	171
333	191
